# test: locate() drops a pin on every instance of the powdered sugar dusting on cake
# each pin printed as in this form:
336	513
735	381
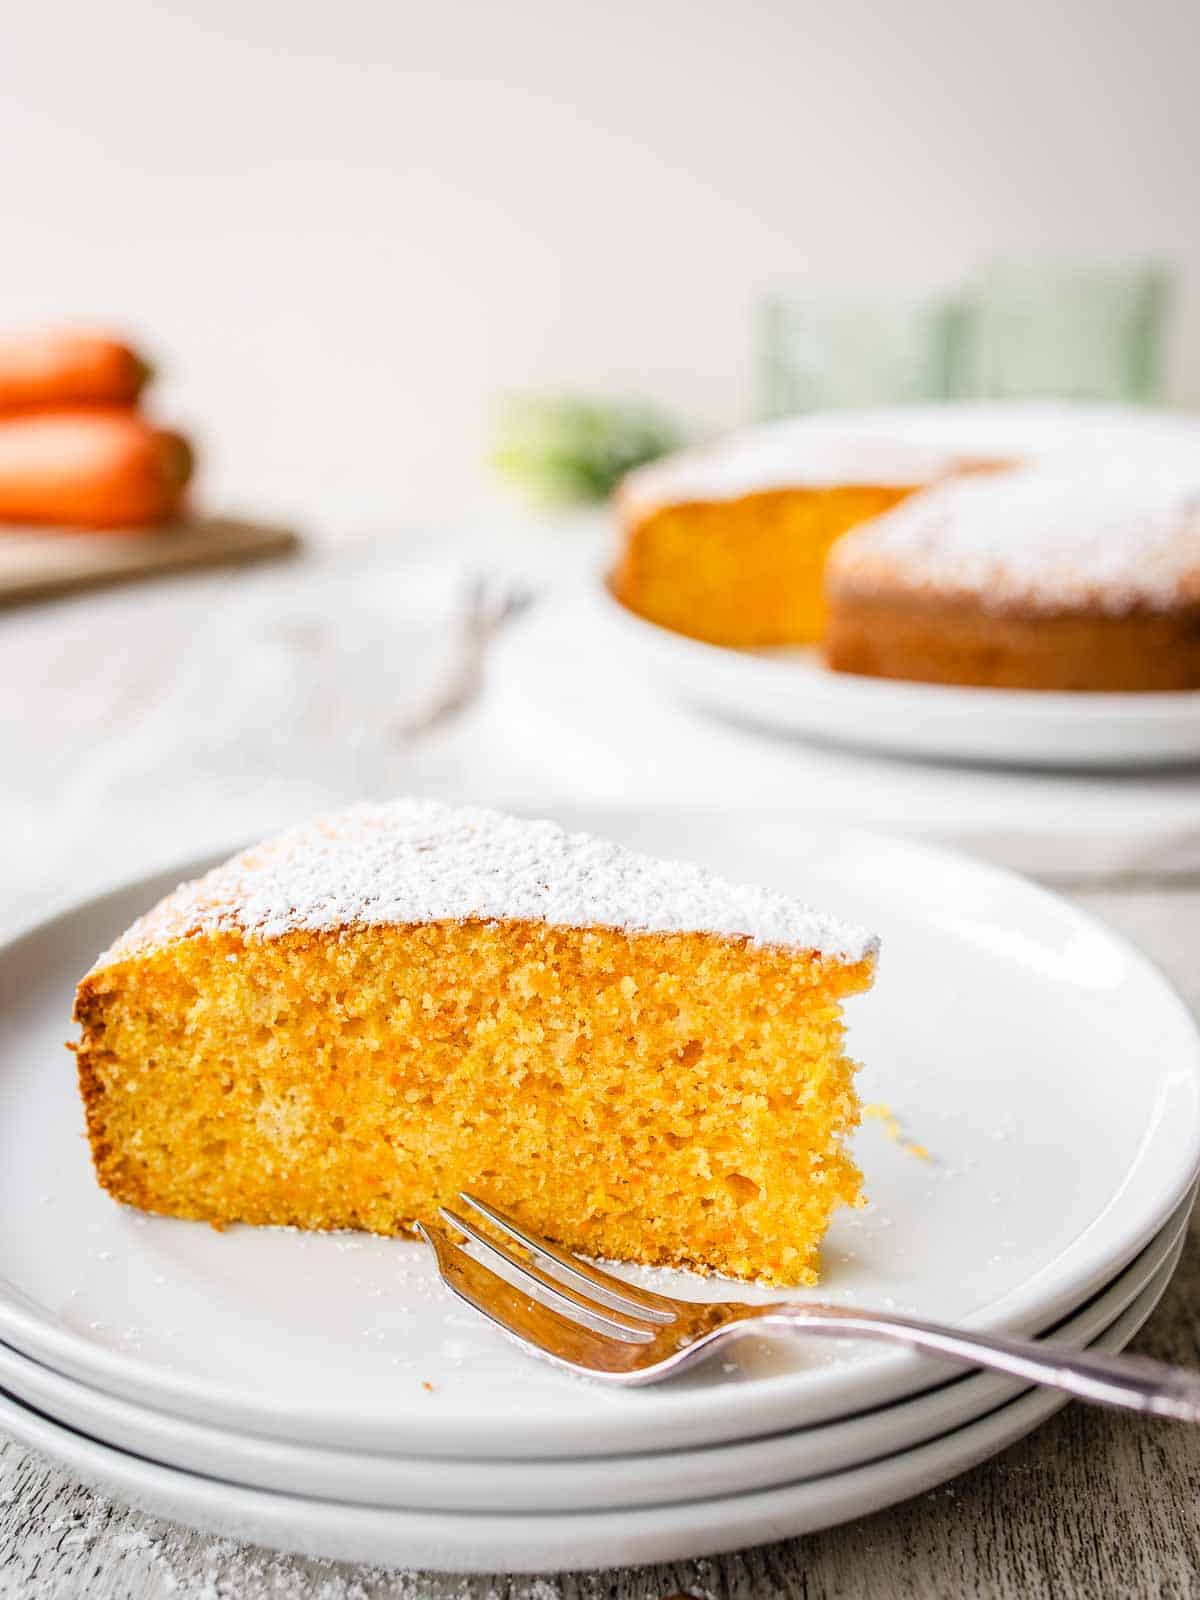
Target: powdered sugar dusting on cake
1081	534
788	455
417	861
905	448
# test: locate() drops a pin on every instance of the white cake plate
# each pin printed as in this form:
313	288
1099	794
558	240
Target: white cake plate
792	691
588	1484
1049	1069
468	1542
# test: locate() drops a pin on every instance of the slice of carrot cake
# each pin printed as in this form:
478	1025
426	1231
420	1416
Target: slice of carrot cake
344	1027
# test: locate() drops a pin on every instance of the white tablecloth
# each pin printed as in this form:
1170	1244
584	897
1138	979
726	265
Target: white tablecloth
581	725
155	724
161	722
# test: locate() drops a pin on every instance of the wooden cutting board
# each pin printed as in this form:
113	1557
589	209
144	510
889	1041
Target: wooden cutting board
37	564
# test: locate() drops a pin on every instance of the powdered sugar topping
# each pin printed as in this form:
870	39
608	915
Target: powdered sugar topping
417	861
1082	533
791	454
904	448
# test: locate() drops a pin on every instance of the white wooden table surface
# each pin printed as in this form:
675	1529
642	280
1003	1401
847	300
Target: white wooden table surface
148	725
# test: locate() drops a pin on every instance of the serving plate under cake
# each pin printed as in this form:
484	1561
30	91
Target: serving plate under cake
528	1542
791	691
652	1477
1049	1069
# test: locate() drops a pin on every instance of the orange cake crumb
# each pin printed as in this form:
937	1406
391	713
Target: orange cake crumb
742	572
877	1111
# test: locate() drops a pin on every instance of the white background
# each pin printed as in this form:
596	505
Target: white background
344	228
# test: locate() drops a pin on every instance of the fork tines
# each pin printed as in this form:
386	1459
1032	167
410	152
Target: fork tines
552	1302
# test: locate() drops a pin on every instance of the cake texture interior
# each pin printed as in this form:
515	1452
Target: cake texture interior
744	572
345	1028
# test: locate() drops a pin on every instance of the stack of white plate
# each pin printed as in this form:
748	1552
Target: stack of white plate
326	1394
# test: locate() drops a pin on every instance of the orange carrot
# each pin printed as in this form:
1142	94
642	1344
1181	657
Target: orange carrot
90	468
65	368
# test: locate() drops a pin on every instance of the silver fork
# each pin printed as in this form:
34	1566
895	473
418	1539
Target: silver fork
565	1309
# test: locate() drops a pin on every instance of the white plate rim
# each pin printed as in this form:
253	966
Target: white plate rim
891	691
956	721
135	1379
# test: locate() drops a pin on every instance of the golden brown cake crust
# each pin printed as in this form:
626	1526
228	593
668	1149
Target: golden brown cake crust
930	639
1073	580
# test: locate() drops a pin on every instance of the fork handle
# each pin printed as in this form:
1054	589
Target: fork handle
1132	1382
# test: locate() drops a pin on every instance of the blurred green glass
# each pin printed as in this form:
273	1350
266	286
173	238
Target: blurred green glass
1021	331
823	354
1054	331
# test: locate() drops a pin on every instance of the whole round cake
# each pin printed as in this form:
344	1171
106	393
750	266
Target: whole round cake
1083	575
1022	546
